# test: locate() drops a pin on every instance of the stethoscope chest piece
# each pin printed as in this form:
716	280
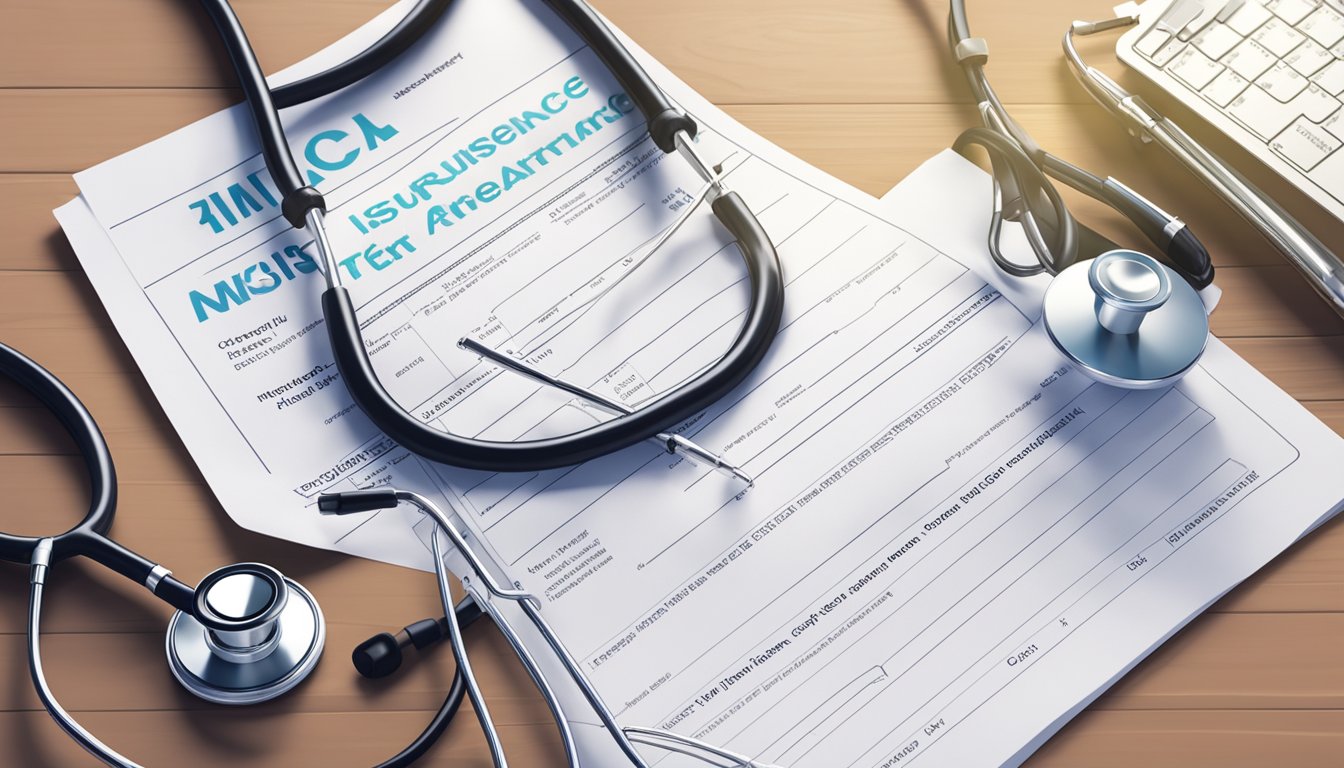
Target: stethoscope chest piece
1126	320
256	634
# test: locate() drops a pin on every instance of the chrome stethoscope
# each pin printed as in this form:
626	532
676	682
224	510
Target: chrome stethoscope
247	634
1123	318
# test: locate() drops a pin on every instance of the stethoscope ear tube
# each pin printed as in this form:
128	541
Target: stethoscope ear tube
89	537
1016	174
274	147
79	423
752	342
406	33
664	120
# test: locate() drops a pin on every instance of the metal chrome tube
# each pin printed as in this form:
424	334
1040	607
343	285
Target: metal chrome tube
532	608
464	660
691	747
708	192
538	678
317	225
673	443
1322	268
40	563
460	543
686	147
581	680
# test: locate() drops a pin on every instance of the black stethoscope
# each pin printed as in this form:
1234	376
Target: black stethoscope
247	633
671	131
244	634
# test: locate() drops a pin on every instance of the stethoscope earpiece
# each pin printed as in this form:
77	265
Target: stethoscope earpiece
1126	320
254	635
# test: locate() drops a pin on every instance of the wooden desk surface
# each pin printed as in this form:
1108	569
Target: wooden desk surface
862	88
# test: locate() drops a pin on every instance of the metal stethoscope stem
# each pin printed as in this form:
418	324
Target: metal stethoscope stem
40	565
485	589
624	737
1322	268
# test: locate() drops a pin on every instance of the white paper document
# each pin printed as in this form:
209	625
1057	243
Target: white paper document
955	540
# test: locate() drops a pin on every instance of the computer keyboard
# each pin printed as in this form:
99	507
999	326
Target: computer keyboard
1268	73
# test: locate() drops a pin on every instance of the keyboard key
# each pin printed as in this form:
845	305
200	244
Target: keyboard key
1329	176
1292	11
1270	74
1278	37
1331	79
1151	42
1315	104
1263	114
1309	58
1282	82
1168	52
1216	41
1250	59
1197	70
1225	88
1305	144
1325	25
1312	103
1335	125
1249	18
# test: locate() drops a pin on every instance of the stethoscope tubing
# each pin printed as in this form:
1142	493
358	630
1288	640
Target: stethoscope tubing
747	350
79	424
666	124
40	562
1022	170
668	129
89	538
464	614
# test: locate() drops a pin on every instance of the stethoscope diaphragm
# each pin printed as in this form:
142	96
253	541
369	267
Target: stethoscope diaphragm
266	636
1126	320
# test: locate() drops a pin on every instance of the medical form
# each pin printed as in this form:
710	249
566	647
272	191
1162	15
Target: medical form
954	541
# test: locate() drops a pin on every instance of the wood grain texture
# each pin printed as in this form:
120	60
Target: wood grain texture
861	88
755	51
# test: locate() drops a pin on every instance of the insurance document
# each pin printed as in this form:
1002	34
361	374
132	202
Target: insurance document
955	540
